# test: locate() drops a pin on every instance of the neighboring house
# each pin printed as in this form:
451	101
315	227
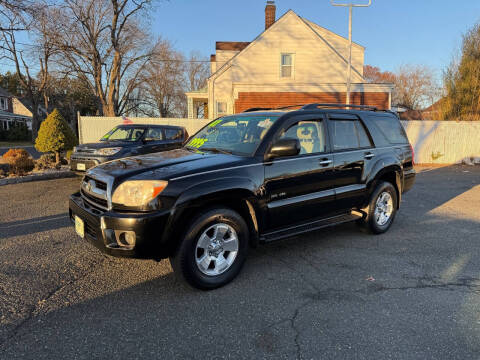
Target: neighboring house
294	61
16	110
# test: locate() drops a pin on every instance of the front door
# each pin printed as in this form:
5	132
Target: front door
300	188
352	149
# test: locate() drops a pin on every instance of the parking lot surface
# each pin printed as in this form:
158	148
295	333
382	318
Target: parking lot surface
412	293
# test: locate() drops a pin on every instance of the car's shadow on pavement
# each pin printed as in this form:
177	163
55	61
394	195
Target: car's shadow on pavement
35	225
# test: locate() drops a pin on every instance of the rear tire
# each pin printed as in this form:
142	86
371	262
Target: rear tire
213	249
381	209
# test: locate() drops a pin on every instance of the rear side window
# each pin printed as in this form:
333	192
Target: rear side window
349	134
154	134
173	134
391	128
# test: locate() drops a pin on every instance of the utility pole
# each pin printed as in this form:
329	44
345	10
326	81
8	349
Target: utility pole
349	71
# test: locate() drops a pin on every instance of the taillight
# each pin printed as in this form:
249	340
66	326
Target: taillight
413	154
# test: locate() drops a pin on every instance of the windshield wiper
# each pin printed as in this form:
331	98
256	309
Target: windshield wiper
215	150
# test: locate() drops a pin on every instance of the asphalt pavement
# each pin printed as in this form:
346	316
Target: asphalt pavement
339	293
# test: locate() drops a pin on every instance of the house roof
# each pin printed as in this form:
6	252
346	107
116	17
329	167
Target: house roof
4	92
9	115
307	23
231	45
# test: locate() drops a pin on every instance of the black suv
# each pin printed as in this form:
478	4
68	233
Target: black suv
127	140
245	179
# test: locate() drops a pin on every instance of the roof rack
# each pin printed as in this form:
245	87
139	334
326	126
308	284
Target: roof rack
362	107
278	108
322	105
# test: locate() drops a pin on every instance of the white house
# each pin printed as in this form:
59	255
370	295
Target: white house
11	112
294	61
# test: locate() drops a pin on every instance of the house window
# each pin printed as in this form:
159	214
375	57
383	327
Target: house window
3	104
286	68
221	108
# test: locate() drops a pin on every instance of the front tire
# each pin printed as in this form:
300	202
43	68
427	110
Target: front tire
381	209
213	249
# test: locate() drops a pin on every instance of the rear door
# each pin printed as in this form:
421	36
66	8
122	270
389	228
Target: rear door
300	188
174	137
352	154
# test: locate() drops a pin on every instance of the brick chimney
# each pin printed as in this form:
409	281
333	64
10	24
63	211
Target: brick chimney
269	13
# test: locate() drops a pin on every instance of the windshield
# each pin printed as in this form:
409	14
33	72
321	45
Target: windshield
239	135
124	134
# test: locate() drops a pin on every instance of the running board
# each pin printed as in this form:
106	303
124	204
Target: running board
311	226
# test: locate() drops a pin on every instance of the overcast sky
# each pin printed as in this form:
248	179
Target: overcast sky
394	32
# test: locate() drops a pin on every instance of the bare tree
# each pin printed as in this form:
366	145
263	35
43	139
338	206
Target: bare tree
21	58
163	81
10	9
415	86
103	42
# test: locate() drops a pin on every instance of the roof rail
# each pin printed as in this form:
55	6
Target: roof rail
362	107
277	108
256	109
321	105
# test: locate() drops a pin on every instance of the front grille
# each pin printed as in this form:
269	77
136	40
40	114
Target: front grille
98	184
85	151
101	203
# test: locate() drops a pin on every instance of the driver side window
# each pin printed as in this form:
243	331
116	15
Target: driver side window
310	134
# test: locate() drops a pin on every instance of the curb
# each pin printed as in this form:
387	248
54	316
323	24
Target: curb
39	177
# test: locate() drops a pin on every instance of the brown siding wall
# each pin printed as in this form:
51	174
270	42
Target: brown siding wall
248	100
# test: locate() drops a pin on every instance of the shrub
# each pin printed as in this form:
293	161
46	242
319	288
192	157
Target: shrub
18	132
55	135
19	161
69	155
46	161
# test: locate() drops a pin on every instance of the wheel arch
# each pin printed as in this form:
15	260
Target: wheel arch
241	199
392	174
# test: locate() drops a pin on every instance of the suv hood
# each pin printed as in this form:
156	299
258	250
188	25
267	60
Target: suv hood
165	165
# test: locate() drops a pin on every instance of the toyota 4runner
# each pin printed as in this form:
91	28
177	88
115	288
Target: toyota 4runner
245	179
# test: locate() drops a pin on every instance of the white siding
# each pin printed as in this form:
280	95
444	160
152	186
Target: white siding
316	62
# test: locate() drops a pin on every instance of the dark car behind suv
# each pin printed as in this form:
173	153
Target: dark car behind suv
127	140
245	179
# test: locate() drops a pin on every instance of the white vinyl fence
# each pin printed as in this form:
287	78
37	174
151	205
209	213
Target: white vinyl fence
92	128
444	142
435	142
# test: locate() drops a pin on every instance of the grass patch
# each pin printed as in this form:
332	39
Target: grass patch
12	144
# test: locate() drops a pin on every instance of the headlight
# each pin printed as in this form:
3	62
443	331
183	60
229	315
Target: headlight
138	192
108	151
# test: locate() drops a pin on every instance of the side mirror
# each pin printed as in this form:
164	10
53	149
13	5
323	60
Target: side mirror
285	147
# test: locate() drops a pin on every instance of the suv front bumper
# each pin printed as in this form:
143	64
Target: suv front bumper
103	229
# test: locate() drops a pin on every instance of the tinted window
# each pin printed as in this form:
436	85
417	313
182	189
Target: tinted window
391	129
310	134
173	134
362	135
349	134
154	134
344	135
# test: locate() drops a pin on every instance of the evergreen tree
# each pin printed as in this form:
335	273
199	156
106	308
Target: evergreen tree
55	135
462	81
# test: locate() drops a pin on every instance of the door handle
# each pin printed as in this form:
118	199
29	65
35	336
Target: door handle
369	155
325	162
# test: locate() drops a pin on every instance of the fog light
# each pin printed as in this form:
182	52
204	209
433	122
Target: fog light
126	238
